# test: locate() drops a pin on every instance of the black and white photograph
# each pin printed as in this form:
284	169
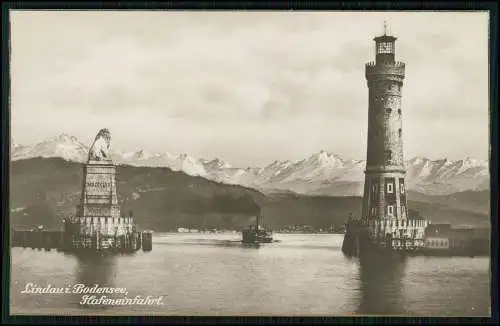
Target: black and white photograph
249	163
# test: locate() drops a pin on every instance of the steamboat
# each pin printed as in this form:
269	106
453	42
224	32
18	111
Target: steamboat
256	234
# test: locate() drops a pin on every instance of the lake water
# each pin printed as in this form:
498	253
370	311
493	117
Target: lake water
209	274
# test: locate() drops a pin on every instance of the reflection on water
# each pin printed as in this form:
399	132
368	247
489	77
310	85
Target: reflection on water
214	274
96	269
381	284
92	270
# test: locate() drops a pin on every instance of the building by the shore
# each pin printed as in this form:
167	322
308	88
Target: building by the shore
445	237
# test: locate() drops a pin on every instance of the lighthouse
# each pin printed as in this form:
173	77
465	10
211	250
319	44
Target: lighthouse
385	217
385	189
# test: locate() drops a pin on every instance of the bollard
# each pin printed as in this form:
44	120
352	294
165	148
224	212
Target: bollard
47	242
147	241
25	239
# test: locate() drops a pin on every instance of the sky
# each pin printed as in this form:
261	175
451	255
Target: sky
246	87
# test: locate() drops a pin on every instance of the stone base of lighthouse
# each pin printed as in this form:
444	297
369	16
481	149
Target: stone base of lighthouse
385	195
366	237
385	216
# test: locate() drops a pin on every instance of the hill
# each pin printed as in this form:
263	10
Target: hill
44	190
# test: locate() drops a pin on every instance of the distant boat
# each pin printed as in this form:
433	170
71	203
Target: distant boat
257	234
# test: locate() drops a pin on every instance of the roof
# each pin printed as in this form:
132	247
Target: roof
439	237
385	38
461	234
437	228
441	225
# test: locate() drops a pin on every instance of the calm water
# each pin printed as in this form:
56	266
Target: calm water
202	274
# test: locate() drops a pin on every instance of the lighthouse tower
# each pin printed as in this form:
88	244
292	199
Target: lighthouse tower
385	191
385	210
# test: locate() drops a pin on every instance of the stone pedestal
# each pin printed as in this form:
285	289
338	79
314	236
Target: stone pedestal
98	213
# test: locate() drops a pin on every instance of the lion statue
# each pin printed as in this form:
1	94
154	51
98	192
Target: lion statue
100	149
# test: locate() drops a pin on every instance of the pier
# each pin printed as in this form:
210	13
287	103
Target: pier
67	242
437	240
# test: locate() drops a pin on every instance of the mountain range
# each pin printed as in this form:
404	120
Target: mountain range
44	190
321	174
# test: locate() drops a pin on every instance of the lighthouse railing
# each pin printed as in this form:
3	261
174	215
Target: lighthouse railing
396	68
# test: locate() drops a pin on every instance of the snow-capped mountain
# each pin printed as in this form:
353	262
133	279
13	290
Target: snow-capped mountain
181	162
214	164
71	149
444	176
322	173
64	146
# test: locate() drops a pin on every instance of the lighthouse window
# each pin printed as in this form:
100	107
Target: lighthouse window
388	155
390	210
384	47
399	111
402	188
389	188
389	111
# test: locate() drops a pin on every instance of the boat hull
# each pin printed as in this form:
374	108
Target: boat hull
257	236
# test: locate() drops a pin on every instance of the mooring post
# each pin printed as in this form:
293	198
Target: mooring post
46	241
147	241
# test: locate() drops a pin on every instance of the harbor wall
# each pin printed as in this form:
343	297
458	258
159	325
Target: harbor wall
68	242
439	240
